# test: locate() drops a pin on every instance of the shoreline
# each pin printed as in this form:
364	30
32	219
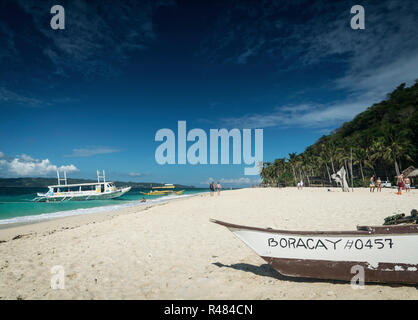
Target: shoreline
10	230
6	222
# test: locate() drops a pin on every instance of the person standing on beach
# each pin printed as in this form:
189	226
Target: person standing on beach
400	183
379	185
407	184
218	187
372	186
212	188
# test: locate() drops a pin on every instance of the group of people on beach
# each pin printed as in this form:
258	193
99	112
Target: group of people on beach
212	188
403	183
375	184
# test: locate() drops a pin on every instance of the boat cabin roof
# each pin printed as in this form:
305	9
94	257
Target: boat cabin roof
167	186
78	184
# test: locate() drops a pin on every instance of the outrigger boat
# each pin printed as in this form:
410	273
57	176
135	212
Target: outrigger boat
166	189
82	191
387	254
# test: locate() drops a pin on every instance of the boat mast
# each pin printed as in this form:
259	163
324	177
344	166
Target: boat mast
62	179
101	176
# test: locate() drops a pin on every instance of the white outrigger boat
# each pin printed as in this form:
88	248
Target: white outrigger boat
81	191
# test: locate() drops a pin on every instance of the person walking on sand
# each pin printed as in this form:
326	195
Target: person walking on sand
372	186
407	184
400	183
218	187
212	188
379	185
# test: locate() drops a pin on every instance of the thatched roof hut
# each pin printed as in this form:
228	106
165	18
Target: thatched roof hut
410	172
413	174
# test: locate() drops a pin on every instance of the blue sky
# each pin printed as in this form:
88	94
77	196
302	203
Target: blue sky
93	96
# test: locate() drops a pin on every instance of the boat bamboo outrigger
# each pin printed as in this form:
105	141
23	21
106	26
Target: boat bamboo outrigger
101	189
166	189
387	254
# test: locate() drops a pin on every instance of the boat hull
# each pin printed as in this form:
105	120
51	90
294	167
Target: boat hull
83	197
384	254
344	270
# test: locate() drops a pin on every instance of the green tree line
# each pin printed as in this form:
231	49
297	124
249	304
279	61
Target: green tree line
381	140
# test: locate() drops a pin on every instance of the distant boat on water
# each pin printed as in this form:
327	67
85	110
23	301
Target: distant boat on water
99	190
166	189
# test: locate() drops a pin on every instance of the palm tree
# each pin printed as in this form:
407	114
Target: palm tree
395	145
305	161
330	150
265	172
323	155
293	162
359	154
371	153
279	168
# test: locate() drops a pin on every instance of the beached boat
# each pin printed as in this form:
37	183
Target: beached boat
101	189
166	189
387	254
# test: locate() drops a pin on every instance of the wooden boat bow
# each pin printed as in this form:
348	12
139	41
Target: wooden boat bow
386	254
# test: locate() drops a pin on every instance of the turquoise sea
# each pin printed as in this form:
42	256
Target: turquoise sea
16	205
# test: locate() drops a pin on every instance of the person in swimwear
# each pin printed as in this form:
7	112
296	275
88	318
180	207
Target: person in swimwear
212	188
400	183
218	187
407	184
379	185
372	186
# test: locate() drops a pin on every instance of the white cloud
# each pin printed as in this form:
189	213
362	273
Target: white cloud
374	61
136	174
8	96
1	154
99	45
381	80
25	157
28	166
68	168
88	152
303	115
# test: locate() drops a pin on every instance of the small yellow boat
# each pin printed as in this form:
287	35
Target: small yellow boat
167	189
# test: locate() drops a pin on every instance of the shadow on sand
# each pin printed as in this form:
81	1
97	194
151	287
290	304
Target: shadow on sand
265	270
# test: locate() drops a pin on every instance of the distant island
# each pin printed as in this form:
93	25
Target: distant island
44	182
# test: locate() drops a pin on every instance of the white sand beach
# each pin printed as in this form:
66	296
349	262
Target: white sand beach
173	251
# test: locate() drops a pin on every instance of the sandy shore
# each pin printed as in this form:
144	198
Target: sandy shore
172	251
